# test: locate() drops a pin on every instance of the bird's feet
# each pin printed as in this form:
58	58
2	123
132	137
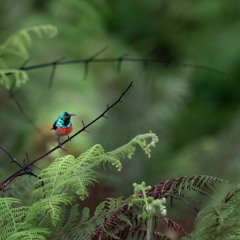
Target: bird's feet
60	145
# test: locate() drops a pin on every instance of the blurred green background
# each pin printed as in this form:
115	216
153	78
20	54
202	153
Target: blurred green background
194	112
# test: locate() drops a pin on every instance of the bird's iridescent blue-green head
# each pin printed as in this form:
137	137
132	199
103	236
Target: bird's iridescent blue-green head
65	116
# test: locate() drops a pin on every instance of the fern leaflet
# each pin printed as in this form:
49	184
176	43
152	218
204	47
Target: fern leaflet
18	43
15	50
12	222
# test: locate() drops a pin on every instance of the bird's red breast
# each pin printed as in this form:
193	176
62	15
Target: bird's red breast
63	131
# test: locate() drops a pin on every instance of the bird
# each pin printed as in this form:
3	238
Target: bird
63	125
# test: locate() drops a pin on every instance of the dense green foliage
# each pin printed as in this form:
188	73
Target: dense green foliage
54	210
220	221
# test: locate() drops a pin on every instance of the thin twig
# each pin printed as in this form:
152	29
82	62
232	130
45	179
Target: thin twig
27	170
54	67
10	156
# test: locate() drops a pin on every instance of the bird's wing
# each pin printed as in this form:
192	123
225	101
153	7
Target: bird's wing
55	125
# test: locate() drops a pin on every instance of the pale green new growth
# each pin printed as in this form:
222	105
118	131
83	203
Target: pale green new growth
19	43
15	50
148	206
144	141
19	77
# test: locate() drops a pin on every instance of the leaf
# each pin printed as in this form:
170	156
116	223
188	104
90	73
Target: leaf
144	141
30	234
12	222
51	206
10	78
200	183
19	43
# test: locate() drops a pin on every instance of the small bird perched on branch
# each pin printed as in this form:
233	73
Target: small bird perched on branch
63	126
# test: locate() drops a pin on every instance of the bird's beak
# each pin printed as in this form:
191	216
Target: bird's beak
73	114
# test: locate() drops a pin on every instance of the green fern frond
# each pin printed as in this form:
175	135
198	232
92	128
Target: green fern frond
12	78
220	222
19	43
66	174
51	206
74	231
31	234
85	215
83	230
54	175
12	222
10	216
102	219
76	174
109	218
99	214
200	183
144	141
69	220
96	156
233	195
15	50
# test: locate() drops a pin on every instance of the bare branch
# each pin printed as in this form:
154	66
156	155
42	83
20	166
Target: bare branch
25	169
124	59
84	126
10	156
